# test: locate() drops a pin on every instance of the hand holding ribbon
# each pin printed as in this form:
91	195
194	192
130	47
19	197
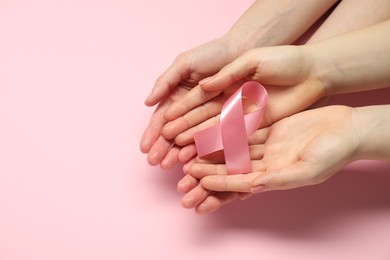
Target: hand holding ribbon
232	133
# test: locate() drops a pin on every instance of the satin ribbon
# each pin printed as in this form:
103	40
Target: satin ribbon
231	135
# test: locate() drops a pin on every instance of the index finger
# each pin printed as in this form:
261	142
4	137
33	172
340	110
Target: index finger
192	99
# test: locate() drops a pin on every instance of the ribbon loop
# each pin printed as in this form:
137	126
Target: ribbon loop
231	135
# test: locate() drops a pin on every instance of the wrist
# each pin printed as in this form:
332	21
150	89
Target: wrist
372	125
238	43
322	68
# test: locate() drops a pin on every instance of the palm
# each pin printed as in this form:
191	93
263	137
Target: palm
304	149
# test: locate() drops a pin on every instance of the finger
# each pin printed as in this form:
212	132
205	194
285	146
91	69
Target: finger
167	82
256	152
188	165
239	69
187	136
193	117
171	158
192	99
200	171
194	197
158	151
187	183
187	153
259	136
234	183
153	130
294	176
215	201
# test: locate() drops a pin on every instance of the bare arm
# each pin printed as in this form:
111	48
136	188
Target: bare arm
352	62
374	130
265	23
270	22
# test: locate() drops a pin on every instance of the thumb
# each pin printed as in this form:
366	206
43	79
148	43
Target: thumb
168	81
239	69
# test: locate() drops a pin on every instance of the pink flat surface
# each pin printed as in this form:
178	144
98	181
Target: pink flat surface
73	184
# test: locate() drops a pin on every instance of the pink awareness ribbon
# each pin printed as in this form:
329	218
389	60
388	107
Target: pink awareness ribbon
231	135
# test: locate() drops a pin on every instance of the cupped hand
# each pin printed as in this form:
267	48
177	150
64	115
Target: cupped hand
186	71
285	71
304	149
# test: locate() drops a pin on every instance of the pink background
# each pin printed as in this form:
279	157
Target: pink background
73	184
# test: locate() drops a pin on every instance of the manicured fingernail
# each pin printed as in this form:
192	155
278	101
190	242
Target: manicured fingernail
205	80
257	189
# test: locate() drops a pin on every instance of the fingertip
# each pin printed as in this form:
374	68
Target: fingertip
211	84
168	163
154	158
184	139
182	187
258	189
204	209
146	141
206	83
170	114
209	87
187	153
168	131
145	146
187	166
150	100
185	185
208	182
209	205
188	201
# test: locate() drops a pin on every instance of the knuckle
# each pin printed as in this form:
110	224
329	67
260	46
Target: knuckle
204	111
182	58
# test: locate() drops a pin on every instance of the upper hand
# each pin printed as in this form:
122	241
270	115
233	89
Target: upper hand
285	71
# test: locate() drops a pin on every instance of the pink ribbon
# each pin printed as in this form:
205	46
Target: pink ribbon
232	133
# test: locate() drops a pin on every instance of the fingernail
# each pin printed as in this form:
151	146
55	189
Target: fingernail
203	209
205	80
257	189
182	186
188	201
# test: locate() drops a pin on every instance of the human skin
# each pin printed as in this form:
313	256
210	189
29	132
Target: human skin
280	23
304	149
339	71
248	32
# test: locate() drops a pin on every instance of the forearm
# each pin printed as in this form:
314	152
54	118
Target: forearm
355	61
351	15
372	124
275	22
